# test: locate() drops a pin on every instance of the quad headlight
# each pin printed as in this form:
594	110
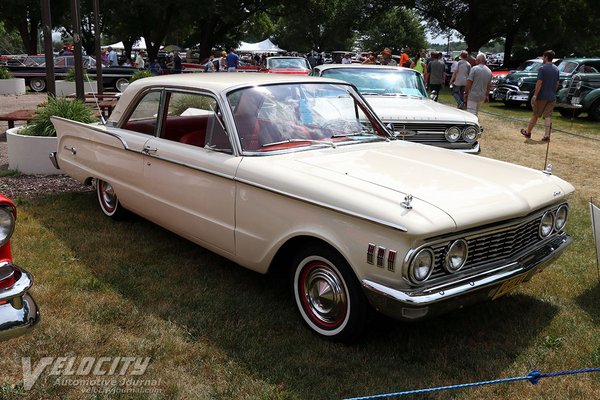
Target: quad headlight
456	256
560	217
421	266
7	224
452	134
546	224
471	134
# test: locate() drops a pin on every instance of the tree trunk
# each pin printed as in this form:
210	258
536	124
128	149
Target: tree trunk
508	44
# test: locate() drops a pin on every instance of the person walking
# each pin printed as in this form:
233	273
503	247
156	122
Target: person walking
478	85
435	77
139	60
112	58
233	61
458	82
544	96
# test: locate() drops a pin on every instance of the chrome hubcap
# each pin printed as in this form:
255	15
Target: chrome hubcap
109	198
325	295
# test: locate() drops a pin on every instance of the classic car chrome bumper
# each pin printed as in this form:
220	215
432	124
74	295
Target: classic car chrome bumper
569	106
487	285
18	310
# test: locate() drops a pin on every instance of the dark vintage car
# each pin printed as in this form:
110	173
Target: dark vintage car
18	311
580	94
35	76
518	87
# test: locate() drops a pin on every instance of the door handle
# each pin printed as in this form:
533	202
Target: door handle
148	149
73	150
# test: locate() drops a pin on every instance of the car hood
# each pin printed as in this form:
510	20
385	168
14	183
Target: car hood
410	109
450	190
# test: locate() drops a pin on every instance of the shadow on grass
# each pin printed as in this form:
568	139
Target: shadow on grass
252	317
589	301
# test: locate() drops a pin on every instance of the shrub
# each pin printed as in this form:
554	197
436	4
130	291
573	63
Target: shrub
75	110
70	76
5	73
140	74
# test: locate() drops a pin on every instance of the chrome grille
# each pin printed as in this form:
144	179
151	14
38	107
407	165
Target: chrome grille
488	248
426	133
573	91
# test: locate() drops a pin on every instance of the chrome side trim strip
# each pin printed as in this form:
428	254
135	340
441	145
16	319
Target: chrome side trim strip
324	205
186	165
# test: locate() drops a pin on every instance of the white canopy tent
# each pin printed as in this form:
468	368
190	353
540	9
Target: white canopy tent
266	46
139	45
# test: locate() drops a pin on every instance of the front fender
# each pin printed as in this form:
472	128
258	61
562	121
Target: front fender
589	99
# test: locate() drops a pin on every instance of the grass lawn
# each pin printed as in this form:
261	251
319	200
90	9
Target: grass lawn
214	330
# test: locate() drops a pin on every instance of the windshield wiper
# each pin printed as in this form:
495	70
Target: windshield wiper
311	141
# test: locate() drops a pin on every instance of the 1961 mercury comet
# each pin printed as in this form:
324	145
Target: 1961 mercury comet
275	171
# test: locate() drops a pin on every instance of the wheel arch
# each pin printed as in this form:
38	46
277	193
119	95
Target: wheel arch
281	262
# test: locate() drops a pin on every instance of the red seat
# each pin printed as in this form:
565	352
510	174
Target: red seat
197	138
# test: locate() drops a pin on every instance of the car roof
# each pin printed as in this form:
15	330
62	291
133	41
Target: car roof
360	66
215	82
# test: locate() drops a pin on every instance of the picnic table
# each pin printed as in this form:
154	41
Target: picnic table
106	102
19	115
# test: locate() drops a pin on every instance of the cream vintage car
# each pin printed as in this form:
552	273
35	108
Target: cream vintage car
399	98
275	171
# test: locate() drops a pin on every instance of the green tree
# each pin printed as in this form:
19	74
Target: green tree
10	42
395	28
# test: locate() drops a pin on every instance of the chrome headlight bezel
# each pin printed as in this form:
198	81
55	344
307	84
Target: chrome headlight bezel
561	215
462	247
565	83
520	82
7	224
470	134
421	255
453	134
546	225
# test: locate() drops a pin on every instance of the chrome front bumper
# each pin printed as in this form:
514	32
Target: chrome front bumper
487	285
18	311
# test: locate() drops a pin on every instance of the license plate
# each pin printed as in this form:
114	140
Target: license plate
509	285
575	100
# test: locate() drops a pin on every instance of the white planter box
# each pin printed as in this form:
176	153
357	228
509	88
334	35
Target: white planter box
29	154
65	88
12	86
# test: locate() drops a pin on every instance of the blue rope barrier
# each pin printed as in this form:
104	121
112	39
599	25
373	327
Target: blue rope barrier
533	377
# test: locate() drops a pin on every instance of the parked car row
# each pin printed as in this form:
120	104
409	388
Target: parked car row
579	78
116	78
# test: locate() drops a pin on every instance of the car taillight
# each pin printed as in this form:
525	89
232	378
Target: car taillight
7	276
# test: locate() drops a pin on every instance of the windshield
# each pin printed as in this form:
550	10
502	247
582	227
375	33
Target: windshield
293	63
530	66
567	67
284	116
386	82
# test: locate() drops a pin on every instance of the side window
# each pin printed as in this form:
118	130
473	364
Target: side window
194	119
143	119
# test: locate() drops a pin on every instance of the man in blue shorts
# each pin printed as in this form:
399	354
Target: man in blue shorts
544	96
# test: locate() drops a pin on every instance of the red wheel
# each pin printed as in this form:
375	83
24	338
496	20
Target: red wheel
108	200
328	294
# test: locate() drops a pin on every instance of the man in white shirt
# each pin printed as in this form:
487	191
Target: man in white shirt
478	85
458	82
139	60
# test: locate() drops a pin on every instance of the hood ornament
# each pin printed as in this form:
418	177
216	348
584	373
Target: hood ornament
407	202
548	170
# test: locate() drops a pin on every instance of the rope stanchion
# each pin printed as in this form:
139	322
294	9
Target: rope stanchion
532	377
